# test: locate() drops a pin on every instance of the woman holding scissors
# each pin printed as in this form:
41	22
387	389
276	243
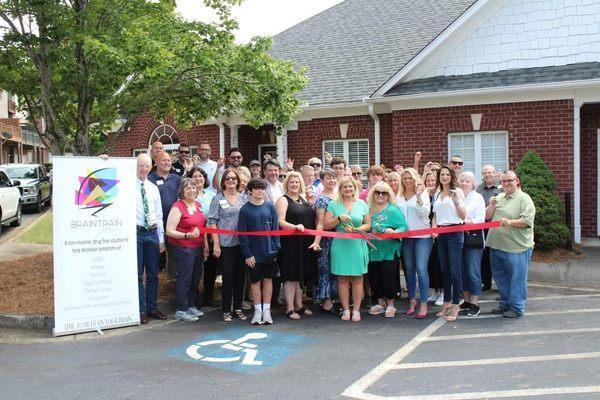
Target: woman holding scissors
386	217
349	257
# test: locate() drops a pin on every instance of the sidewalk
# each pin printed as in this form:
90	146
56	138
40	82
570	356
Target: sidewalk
583	272
11	250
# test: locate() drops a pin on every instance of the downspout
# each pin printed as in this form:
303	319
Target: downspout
577	171
221	139
377	134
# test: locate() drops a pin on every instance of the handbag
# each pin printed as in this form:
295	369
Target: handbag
474	239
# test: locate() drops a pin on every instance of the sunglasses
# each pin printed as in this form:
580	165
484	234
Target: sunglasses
456	162
281	176
235	157
315	165
184	152
378	193
231	178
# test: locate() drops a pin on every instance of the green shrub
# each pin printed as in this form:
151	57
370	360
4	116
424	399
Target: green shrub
539	182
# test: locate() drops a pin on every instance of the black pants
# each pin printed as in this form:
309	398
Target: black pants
233	267
210	274
486	270
433	268
382	275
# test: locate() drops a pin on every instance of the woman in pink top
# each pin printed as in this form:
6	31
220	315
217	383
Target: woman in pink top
191	248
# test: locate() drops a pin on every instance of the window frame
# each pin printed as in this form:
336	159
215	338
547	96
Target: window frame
478	162
346	151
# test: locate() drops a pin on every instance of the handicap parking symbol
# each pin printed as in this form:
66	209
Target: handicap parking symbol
241	350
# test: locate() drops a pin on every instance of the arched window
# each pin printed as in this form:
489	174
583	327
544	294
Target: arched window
165	134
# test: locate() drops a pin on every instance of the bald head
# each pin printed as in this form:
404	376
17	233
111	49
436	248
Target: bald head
144	165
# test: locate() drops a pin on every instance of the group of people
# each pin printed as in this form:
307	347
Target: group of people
184	196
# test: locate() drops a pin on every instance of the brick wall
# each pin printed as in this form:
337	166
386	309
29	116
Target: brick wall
545	127
590	123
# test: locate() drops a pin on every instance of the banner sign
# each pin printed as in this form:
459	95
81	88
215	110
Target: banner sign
95	247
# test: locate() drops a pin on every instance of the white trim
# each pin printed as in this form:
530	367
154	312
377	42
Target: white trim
577	171
233	136
477	162
282	147
598	184
376	133
455	33
221	138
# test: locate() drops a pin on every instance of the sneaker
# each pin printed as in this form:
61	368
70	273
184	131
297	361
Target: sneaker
439	301
257	319
465	305
498	310
184	316
432	298
195	312
376	309
473	311
266	317
511	314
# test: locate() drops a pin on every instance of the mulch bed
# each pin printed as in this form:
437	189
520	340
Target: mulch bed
27	286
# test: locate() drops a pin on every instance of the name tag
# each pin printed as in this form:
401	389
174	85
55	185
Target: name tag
224	204
160	182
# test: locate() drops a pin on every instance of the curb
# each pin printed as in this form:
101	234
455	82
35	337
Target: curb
567	273
42	322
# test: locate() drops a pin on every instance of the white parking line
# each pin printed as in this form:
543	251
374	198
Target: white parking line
537	313
356	390
501	334
556	297
496	361
491	395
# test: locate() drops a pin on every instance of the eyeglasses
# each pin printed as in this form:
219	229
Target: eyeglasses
204	150
356	173
378	193
456	162
231	178
184	152
315	165
507	180
281	176
235	157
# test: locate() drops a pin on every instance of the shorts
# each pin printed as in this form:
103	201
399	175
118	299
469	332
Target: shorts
266	269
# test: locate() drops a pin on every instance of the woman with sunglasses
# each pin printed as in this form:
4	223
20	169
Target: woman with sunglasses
386	217
449	210
349	257
223	214
414	203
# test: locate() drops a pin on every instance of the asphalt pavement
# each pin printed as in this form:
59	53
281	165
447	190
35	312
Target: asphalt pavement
551	353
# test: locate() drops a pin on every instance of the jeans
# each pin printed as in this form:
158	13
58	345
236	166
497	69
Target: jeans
382	277
147	260
509	271
189	270
450	247
415	253
472	270
234	272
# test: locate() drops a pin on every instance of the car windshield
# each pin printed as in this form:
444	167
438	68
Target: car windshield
21	172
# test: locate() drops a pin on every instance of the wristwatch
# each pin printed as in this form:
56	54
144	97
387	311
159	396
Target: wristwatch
185	235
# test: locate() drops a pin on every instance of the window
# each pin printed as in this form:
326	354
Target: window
353	151
480	148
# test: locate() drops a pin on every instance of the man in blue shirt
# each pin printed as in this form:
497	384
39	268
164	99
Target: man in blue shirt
260	252
167	184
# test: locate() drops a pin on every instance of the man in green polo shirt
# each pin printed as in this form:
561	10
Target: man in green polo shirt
511	245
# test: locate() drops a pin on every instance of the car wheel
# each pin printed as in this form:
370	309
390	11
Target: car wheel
17	221
39	205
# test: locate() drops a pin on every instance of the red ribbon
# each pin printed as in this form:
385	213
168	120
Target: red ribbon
346	235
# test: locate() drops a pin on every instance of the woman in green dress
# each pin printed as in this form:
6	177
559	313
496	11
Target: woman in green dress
349	257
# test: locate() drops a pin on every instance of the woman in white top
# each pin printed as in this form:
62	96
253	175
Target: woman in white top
449	210
414	203
475	205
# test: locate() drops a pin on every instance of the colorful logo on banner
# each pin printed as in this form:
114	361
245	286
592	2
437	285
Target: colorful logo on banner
98	189
249	350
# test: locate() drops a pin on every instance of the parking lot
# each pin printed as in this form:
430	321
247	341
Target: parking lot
551	353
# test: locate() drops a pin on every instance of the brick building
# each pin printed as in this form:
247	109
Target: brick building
486	79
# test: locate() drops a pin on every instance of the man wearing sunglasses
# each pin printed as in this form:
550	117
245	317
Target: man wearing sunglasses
456	162
235	161
184	161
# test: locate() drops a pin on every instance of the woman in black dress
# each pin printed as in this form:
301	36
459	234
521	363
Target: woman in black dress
296	261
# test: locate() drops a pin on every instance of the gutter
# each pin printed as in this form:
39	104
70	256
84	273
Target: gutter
377	134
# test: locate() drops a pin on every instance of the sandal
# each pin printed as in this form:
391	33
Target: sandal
390	312
239	314
446	308
346	315
293	315
356	316
304	311
330	310
227	317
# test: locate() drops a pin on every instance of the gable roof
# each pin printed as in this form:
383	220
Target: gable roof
352	48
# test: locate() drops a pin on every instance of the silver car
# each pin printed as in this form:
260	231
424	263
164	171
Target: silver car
10	205
35	184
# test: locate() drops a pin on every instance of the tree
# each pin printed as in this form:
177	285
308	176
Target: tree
539	182
78	65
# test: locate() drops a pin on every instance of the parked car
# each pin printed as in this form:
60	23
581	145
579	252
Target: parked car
10	204
35	183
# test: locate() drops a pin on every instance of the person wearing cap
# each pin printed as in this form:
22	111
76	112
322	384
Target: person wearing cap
254	168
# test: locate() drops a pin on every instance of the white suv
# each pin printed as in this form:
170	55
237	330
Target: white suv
10	202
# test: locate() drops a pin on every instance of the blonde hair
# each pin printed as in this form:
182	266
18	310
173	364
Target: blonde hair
414	174
290	175
397	176
380	187
342	182
244	170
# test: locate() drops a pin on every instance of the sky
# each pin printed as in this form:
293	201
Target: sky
260	17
